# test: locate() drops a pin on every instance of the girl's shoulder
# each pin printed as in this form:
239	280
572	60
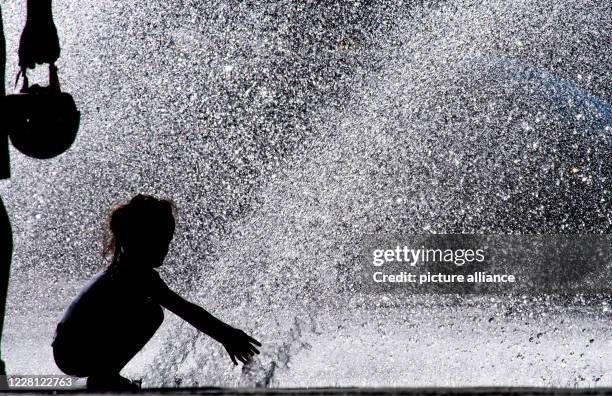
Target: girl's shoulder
137	279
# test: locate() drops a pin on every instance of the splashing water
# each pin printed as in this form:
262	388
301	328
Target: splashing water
287	132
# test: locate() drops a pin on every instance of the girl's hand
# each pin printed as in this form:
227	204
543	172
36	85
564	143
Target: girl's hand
239	345
39	42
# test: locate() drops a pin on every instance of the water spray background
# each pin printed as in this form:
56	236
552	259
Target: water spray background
284	132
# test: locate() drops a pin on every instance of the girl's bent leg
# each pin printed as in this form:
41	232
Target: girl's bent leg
129	338
102	356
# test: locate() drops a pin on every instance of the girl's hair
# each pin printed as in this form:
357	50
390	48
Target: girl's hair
130	221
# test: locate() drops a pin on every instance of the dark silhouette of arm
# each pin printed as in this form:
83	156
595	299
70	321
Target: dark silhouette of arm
39	42
239	345
195	315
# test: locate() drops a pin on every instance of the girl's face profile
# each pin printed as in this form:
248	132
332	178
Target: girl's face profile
153	247
151	243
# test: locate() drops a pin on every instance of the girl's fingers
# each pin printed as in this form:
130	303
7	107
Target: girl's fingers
233	358
253	340
253	350
249	349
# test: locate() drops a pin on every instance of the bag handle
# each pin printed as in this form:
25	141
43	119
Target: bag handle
54	84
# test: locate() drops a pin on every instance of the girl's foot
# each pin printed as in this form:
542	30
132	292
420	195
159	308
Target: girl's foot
111	382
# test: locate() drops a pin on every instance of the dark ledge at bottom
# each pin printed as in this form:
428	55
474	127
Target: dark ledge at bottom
357	391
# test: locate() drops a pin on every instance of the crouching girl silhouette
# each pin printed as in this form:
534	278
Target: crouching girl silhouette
120	309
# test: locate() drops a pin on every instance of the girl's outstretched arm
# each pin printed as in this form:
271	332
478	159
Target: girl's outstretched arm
239	345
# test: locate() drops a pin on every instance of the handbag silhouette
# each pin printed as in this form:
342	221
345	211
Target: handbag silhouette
42	122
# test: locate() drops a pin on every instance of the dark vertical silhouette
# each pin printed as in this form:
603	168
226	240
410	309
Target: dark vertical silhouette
4	151
6	252
6	237
41	121
120	309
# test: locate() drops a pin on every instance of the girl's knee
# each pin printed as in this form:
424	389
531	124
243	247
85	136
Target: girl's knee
158	315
